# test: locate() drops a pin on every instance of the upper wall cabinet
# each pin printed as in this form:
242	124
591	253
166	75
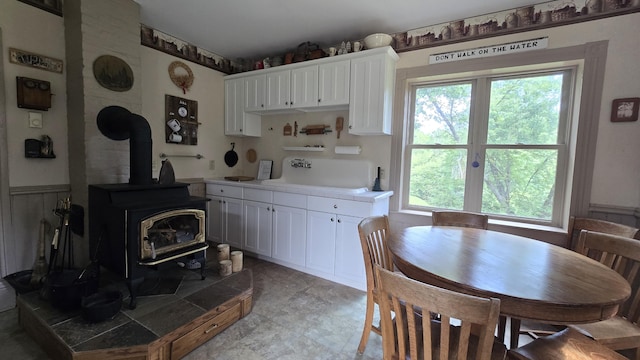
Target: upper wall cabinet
237	122
371	98
362	82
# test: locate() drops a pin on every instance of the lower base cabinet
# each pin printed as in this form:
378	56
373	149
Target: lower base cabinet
333	247
289	230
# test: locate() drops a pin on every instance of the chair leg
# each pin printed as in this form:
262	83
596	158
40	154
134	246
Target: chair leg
368	323
515	333
502	327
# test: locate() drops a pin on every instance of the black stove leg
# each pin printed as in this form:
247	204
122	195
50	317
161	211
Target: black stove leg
133	285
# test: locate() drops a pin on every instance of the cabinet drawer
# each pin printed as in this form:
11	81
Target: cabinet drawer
185	344
258	195
288	199
339	206
224	190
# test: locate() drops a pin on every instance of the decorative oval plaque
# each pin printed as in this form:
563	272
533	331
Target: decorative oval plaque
113	73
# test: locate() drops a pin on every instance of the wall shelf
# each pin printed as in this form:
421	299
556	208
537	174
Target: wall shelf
303	148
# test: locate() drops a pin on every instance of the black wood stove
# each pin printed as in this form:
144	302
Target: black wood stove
135	227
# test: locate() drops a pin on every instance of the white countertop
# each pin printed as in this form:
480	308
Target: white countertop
367	196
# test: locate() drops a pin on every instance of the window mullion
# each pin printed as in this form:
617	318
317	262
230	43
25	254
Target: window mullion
477	141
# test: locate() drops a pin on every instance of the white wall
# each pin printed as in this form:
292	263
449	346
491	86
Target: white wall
27	28
616	179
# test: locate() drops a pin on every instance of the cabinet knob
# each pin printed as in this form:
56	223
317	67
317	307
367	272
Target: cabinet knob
332	220
273	210
268	209
261	105
221	190
319	100
291	103
350	127
339	221
335	206
286	103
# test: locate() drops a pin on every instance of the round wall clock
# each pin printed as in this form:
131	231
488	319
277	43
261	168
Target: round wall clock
181	75
113	73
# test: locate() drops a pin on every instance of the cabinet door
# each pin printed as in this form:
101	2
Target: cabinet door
232	210
278	90
349	261
233	106
321	241
371	96
304	87
255	89
333	83
214	219
257	227
289	234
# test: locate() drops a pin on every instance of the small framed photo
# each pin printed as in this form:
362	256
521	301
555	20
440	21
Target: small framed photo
625	109
264	170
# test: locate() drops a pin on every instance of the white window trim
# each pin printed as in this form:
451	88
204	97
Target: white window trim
592	54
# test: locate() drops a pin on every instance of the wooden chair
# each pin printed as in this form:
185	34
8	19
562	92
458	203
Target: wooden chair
407	337
373	236
576	224
567	344
459	218
622	254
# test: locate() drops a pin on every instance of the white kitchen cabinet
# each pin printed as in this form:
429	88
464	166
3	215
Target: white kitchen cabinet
321	242
224	219
255	87
257	217
372	82
333	243
289	234
304	87
237	122
333	83
290	89
278	90
257	221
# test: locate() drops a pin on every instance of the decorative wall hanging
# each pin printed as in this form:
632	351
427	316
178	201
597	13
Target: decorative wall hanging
52	6
181	120
113	73
33	93
181	75
625	109
37	61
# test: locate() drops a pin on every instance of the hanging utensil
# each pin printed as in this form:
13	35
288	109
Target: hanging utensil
339	125
231	157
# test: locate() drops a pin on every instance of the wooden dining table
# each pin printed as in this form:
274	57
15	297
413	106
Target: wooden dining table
534	280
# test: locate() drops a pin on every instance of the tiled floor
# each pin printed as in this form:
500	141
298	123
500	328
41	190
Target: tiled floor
295	316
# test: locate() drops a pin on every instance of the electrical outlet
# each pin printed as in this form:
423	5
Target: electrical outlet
212	165
154	165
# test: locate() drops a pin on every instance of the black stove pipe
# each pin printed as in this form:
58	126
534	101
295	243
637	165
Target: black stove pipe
118	123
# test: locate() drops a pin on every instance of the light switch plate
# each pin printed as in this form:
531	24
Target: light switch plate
35	120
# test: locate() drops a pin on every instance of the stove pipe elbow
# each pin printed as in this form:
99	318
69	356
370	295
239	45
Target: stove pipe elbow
118	123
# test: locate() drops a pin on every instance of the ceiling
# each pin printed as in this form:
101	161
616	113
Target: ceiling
258	28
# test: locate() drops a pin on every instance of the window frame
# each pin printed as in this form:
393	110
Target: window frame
591	55
477	140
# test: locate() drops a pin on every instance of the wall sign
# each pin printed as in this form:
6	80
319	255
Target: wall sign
494	50
37	61
112	73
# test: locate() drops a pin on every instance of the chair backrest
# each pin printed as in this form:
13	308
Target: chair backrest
621	254
576	224
417	297
374	232
459	218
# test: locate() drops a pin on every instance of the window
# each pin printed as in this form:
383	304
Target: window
497	144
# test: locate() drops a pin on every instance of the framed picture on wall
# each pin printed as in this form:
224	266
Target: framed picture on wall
52	6
625	109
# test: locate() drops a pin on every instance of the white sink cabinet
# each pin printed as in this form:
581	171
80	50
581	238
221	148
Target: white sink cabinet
224	221
304	229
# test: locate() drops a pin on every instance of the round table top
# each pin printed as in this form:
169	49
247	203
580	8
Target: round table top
533	279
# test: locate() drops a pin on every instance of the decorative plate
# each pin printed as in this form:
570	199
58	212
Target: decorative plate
113	73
